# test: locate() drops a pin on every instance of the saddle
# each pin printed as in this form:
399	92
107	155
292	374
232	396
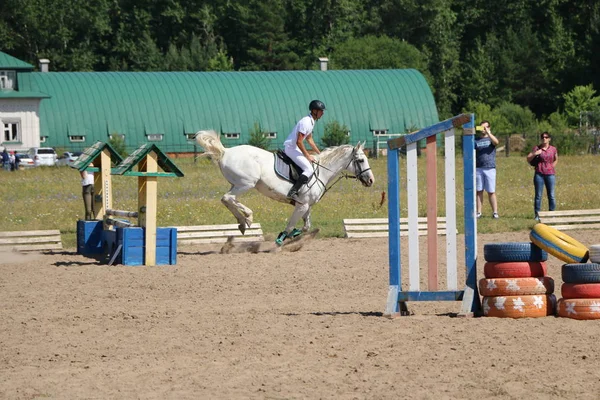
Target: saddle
286	168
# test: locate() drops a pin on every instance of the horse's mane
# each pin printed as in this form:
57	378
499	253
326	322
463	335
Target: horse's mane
332	154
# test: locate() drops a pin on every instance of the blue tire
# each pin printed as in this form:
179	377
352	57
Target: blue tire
513	251
581	273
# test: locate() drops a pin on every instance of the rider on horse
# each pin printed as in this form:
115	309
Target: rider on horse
294	144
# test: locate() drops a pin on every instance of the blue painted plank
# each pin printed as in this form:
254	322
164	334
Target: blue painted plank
470	220
424	133
431	296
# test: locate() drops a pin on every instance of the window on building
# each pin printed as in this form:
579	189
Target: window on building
380	132
155	137
43	139
11	131
77	138
7	80
271	135
231	135
190	136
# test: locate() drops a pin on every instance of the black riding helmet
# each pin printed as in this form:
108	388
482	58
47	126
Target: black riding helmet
316	105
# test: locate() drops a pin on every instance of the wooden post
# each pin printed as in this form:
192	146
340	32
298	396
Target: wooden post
432	258
102	185
147	205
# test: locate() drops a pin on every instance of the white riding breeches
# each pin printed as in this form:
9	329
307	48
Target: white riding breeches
295	154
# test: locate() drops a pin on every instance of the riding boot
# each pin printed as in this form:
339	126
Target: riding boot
297	185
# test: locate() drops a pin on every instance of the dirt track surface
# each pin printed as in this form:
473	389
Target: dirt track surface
272	325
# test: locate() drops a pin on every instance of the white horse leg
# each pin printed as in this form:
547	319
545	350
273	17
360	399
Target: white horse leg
299	211
306	219
243	214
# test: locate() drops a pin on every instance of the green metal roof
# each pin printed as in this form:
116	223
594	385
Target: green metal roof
13	94
164	162
97	104
9	62
91	153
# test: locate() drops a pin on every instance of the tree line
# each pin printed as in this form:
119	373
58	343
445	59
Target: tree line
511	56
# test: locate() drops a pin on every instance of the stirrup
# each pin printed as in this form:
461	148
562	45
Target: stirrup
280	238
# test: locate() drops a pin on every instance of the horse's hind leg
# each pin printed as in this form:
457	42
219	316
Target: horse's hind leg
242	213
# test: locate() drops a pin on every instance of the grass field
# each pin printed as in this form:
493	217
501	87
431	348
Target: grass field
50	198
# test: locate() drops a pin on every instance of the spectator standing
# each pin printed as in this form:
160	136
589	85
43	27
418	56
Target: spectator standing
5	160
87	184
17	161
485	171
545	172
12	160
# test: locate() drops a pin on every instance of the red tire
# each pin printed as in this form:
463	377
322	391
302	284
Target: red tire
516	286
527	306
520	269
579	308
580	290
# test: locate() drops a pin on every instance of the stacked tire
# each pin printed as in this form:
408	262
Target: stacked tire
581	280
516	284
581	288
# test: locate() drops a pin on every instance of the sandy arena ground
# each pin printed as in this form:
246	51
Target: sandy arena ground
303	324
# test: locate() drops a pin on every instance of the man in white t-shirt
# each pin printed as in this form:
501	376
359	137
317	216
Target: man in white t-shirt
294	144
87	185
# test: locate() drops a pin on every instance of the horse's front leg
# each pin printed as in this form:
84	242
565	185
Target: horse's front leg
306	219
299	211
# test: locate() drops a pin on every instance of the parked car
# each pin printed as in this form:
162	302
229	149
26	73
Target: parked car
43	156
67	158
25	160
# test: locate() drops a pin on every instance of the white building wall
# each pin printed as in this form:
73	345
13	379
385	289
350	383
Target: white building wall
26	111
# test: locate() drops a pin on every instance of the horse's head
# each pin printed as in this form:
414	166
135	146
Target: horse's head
359	166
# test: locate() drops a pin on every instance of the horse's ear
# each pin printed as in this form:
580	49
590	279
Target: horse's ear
359	145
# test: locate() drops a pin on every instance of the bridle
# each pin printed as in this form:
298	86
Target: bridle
357	167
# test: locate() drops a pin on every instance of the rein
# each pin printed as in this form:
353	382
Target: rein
343	175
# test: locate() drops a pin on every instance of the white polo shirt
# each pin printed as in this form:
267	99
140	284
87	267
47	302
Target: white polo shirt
304	126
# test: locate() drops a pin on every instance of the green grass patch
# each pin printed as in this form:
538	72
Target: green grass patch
50	198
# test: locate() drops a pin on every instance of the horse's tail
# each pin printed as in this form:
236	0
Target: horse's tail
211	143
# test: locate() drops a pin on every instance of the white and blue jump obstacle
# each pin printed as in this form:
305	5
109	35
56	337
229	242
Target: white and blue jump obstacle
468	294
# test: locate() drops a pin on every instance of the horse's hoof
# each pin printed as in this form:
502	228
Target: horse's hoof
294	233
280	238
242	228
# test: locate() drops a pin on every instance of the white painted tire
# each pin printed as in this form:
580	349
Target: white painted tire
595	253
526	306
579	308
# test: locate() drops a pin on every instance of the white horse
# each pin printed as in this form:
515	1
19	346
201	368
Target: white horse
247	167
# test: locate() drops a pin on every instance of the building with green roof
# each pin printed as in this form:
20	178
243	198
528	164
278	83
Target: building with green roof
76	109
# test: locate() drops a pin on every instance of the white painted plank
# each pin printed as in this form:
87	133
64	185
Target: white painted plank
33	247
204	234
382	234
412	191
570	220
25	240
450	182
213	227
575	226
378	227
30	233
568	213
354	221
237	239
